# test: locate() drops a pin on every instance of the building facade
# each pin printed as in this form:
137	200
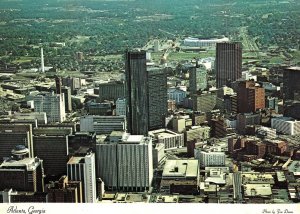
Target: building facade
168	138
197	78
126	163
53	105
83	168
136	93
291	92
102	124
111	90
228	63
22	175
158	99
121	107
251	97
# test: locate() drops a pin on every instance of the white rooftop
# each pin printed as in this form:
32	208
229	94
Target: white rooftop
181	168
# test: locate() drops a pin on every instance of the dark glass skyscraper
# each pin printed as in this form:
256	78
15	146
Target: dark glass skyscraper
291	92
228	63
137	102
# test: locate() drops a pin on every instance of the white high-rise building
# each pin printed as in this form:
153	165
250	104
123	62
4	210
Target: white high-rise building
210	158
121	107
83	169
126	164
52	104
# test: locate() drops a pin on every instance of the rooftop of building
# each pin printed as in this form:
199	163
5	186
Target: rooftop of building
294	68
295	167
167	199
257	178
280	176
135	139
29	163
76	160
287	119
181	168
163	133
257	190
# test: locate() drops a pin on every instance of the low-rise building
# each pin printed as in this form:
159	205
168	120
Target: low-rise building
181	176
167	137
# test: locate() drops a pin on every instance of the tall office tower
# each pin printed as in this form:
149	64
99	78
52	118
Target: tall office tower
82	168
251	97
228	63
54	151
53	105
12	135
197	78
64	191
111	90
124	162
22	175
291	92
158	97
68	99
73	82
58	85
136	93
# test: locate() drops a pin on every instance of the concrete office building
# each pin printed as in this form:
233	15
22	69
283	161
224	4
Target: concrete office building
112	90
178	124
286	125
158	98
11	196
64	191
73	82
53	150
266	132
209	158
12	135
243	120
121	107
102	124
102	109
291	92
272	103
53	105
82	168
41	117
204	102
228	63
197	133
168	138
136	93
176	94
158	154
197	78
251	97
125	163
22	175
181	176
